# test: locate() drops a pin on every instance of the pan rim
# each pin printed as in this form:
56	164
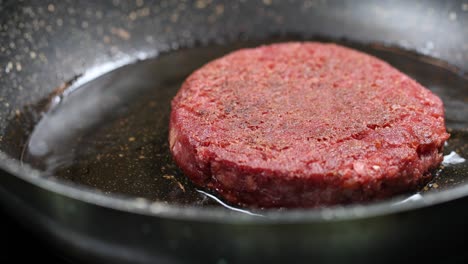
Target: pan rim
148	208
142	206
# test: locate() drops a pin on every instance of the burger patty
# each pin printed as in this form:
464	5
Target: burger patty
305	125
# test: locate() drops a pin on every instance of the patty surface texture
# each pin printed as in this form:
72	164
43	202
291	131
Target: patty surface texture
305	124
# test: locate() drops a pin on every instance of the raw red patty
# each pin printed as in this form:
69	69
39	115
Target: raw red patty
305	125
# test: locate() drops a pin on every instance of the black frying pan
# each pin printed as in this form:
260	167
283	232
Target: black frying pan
115	213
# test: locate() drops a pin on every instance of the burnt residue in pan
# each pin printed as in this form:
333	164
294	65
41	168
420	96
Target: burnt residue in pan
111	133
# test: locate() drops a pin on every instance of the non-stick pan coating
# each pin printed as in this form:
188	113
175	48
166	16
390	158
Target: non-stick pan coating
44	45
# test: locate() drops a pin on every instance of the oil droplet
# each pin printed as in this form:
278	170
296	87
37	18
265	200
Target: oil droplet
453	158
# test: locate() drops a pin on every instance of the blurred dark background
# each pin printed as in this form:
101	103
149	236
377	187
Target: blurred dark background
19	245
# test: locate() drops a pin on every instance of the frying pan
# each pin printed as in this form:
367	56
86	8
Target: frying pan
44	45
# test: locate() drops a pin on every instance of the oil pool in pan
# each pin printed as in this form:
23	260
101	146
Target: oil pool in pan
113	135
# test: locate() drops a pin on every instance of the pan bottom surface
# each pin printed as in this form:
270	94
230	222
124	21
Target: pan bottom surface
110	132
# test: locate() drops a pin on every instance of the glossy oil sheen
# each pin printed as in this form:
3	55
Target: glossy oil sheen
118	141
